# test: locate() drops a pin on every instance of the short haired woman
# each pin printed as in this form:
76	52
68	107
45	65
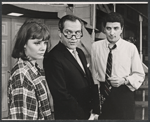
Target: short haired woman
27	90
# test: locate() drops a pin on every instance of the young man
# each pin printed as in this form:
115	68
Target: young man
117	68
67	74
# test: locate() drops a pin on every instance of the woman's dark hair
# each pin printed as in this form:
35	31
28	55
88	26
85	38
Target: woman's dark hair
113	17
31	29
68	18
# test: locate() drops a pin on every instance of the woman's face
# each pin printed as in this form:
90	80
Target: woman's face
35	48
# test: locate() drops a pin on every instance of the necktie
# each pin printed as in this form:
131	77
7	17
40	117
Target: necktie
107	84
78	59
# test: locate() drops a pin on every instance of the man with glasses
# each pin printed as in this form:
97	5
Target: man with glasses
68	75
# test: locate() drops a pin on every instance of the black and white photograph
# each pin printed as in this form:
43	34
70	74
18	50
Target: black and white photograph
74	61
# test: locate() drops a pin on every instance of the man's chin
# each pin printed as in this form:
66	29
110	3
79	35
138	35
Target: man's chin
112	40
72	47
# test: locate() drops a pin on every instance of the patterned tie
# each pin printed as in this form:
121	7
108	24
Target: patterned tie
78	59
107	85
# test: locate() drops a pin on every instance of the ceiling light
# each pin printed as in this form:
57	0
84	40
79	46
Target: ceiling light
14	14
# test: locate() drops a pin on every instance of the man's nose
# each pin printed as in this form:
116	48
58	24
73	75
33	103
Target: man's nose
73	37
112	31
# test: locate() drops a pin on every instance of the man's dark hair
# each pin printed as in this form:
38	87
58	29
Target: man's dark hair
113	17
68	18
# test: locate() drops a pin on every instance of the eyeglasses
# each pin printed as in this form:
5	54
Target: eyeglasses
69	34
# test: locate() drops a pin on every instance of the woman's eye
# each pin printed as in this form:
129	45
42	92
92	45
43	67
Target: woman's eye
37	43
45	42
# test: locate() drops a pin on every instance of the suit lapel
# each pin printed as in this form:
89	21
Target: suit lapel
70	57
83	62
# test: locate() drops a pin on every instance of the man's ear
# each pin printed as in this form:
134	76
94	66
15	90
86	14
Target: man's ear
104	30
59	34
122	29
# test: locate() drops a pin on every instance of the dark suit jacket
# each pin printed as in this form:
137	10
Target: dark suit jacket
69	85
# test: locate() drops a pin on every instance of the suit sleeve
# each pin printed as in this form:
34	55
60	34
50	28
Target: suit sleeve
56	80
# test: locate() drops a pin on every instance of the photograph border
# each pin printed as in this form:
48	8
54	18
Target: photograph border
89	1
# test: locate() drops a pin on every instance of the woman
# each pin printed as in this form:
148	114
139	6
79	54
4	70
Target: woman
27	90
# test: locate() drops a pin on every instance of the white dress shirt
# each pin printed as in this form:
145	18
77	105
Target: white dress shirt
126	62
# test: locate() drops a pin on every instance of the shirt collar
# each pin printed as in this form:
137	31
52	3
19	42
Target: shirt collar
30	65
118	43
71	51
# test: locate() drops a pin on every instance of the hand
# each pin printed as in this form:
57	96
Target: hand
93	117
116	81
52	116
96	117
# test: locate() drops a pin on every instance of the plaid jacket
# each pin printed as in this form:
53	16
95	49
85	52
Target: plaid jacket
27	93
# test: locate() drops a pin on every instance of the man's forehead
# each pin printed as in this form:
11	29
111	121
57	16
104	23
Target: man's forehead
70	21
72	24
113	24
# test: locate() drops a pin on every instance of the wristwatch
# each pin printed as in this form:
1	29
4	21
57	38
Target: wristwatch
126	81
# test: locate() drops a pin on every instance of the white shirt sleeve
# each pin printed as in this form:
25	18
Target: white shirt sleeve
137	75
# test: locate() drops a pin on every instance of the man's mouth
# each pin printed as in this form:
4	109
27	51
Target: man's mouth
112	37
72	43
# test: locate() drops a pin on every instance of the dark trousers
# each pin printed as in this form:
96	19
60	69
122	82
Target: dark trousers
119	105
